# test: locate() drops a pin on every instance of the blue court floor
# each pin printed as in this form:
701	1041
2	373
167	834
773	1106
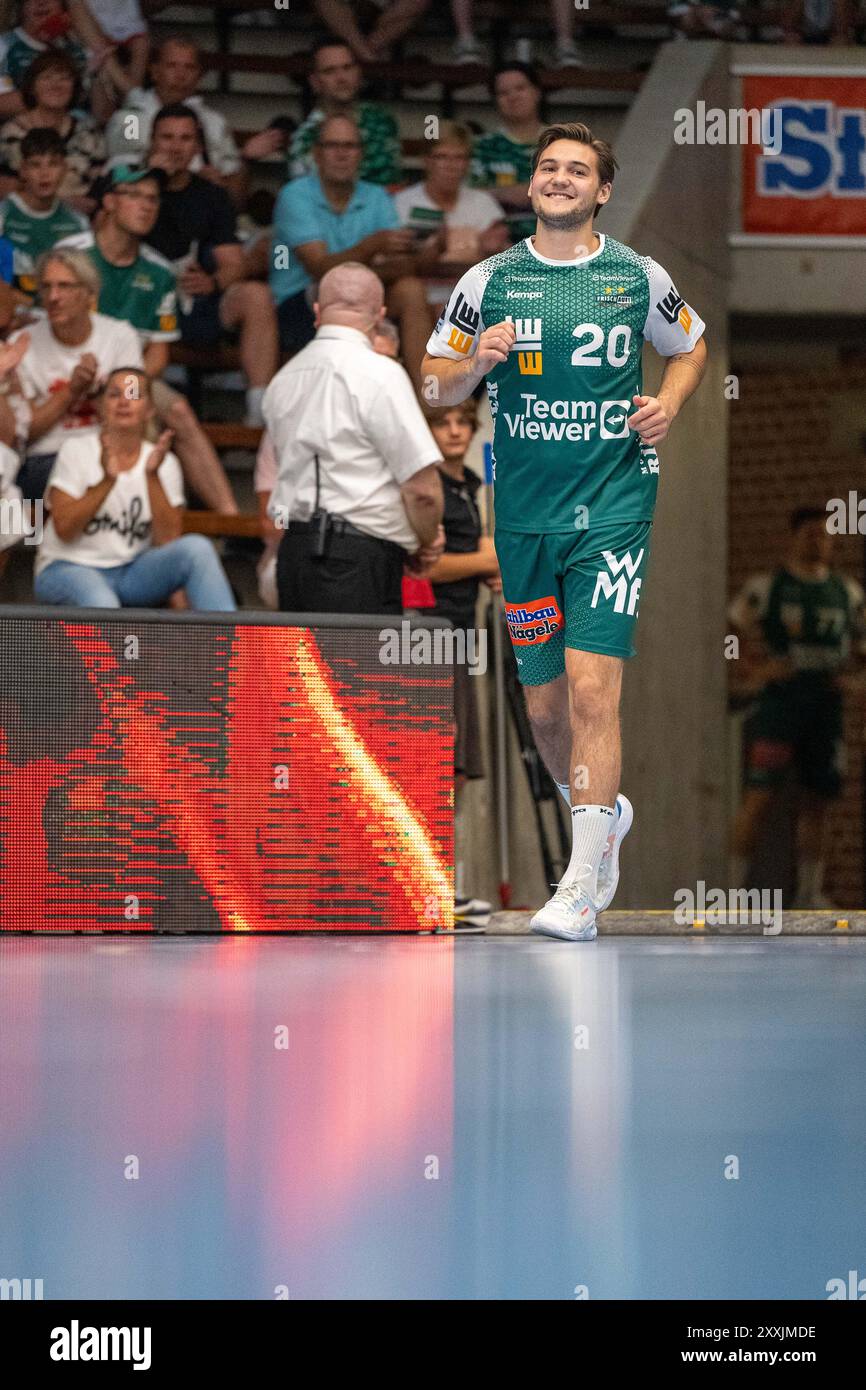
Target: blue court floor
379	1117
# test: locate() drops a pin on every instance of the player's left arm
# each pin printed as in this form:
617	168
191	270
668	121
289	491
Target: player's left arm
676	332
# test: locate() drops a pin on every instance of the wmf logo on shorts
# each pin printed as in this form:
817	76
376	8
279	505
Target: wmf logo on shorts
620	582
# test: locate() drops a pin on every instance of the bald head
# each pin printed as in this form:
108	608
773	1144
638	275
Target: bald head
351	294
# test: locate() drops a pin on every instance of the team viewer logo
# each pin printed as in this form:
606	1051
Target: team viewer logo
619	586
533	622
464	322
527	345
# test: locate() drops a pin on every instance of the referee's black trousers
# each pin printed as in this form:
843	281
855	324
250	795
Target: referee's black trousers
359	574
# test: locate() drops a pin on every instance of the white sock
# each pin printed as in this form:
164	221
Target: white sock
563	789
590	827
255	396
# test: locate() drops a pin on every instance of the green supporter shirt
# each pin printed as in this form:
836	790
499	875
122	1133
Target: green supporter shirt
380	162
31	233
564	456
144	293
812	622
500	162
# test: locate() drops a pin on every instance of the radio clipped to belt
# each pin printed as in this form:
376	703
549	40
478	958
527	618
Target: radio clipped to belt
321	524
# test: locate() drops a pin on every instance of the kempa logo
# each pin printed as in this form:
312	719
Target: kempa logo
618	586
527	344
21	1289
524	294
564	419
75	1343
21	518
441	646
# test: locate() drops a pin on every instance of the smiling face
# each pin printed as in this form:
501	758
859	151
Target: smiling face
566	186
54	89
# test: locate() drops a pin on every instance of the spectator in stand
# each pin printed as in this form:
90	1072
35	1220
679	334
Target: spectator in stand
818	21
116	32
43	26
395	20
336	79
34	219
463	224
11	531
113	538
49	92
330	216
357	491
467	49
70	353
468	558
698	20
195	230
138	286
502	158
176	71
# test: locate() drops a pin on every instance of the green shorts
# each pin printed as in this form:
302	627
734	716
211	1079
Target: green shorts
797	724
577	590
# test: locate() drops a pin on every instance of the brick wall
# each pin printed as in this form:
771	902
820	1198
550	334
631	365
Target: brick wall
786	451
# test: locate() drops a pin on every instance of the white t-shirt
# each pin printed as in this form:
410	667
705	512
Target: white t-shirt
119	19
128	141
356	409
121	528
48	364
473	212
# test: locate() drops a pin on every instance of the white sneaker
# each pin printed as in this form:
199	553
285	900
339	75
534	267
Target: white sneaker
467	50
569	914
568	55
608	869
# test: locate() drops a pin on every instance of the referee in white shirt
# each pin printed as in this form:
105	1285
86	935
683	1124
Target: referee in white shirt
358	490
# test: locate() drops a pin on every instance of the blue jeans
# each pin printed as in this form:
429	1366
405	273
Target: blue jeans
190	563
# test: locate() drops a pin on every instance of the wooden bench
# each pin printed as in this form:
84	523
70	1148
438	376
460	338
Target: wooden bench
217	524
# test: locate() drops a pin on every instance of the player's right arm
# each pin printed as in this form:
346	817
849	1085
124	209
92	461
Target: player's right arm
461	350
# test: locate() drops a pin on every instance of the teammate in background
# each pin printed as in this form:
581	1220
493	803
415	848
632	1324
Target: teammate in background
556	324
802	627
469	558
34	219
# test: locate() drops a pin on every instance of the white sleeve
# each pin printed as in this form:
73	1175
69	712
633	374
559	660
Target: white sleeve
488	210
749	606
128	346
396	425
461	325
226	156
671	325
171	477
76	467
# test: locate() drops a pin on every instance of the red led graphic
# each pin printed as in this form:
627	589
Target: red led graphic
248	778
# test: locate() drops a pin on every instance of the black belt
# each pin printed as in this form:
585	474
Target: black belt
341	527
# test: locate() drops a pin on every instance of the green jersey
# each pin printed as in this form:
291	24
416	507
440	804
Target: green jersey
564	455
143	293
500	162
380	136
31	233
812	622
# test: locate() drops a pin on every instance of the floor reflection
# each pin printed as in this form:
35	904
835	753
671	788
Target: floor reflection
487	1118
